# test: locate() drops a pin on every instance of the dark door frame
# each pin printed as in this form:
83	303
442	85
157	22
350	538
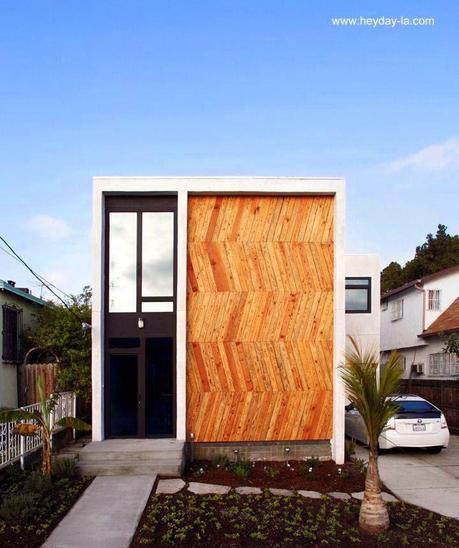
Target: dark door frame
125	325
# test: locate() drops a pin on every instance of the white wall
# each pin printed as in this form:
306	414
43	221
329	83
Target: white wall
365	327
403	333
8	371
420	355
449	292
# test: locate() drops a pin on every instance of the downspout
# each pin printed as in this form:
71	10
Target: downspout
417	286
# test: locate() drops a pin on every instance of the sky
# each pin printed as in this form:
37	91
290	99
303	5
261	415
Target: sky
222	87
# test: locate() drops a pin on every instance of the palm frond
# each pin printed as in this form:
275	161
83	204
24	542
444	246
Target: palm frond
26	428
12	415
72	422
370	395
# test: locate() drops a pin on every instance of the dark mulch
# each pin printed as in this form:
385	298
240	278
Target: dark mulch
324	477
43	511
235	520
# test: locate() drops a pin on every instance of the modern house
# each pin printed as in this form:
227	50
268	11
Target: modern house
19	308
219	317
416	319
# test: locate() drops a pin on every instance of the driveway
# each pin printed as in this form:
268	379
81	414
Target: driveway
417	477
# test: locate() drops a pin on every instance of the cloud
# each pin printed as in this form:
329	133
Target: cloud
48	227
439	157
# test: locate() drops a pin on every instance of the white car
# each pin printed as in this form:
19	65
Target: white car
418	423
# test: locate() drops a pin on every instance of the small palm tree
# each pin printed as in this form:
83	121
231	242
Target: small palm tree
41	420
371	398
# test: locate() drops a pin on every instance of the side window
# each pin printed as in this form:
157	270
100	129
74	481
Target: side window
358	295
11	334
396	310
433	299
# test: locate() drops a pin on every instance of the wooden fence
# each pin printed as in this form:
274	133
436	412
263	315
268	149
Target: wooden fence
443	394
28	376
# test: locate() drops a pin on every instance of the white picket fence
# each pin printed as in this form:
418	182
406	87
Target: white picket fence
14	446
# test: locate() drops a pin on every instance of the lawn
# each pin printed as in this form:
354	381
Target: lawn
31	505
185	519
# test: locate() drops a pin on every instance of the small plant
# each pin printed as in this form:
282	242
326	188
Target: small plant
360	465
64	468
271	471
241	468
220	461
17	508
312	462
349	449
37	484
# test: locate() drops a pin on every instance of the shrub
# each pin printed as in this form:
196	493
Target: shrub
271	472
37	484
17	508
349	449
64	468
241	468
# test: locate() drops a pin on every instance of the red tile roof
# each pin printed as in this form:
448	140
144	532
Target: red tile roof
447	322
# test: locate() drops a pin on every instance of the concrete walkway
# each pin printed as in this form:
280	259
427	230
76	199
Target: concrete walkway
417	477
106	516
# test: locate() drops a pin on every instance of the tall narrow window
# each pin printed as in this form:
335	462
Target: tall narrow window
158	261
433	299
396	312
11	334
122	273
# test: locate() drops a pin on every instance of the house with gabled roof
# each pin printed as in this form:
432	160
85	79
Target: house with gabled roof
416	320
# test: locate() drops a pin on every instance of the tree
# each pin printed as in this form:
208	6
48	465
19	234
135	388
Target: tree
41	420
372	399
58	330
436	253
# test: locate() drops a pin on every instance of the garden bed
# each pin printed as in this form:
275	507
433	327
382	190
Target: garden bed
236	520
310	475
31	506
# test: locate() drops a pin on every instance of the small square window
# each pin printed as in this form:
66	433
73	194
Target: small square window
358	295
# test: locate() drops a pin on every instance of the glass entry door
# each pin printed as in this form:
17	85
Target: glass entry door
140	315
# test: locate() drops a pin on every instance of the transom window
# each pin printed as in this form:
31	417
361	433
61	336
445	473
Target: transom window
358	295
433	299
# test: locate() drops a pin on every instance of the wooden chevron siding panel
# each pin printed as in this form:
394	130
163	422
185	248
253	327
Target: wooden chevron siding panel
260	318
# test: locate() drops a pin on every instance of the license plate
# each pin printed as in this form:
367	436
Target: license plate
419	427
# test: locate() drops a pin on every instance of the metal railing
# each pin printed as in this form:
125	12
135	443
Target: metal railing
13	446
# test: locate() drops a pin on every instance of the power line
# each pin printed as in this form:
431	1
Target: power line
42	280
41	277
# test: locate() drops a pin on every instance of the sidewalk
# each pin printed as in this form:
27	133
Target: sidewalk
106	516
417	477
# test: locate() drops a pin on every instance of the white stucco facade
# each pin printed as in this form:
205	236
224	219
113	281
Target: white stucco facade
403	334
183	187
365	327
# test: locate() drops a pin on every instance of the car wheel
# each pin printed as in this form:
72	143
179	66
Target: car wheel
434	450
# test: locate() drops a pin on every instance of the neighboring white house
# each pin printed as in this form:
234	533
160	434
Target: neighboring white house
19	308
416	318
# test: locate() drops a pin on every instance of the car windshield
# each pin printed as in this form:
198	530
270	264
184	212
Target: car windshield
416	408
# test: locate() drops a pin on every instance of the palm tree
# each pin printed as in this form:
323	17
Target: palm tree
371	398
41	420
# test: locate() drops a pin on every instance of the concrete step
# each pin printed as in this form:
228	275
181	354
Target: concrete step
130	468
141	456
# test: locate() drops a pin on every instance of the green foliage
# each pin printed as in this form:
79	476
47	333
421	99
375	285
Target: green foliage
241	468
37	484
452	344
17	508
370	397
439	251
64	468
58	331
349	449
271	472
